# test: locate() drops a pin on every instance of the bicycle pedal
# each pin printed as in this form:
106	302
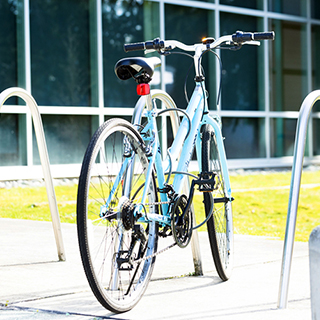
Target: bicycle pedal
123	261
206	188
206	182
130	268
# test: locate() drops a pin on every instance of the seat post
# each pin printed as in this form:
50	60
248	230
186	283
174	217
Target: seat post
143	89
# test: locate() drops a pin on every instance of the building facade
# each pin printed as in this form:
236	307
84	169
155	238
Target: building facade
64	52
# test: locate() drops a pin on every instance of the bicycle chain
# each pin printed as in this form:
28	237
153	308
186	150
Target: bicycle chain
154	254
162	250
157	203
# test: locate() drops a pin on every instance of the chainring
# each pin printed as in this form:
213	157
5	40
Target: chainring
181	224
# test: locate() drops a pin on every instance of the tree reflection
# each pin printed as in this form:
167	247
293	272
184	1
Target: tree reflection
60	52
8	45
122	23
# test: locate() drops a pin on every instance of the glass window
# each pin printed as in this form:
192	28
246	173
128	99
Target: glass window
180	67
288	66
244	137
127	118
67	138
315	9
8	44
252	4
12	127
242	74
294	7
316	137
206	0
124	22
60	52
13	140
282	137
315	38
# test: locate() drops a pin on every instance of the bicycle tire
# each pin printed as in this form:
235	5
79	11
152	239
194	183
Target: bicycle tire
105	240
220	225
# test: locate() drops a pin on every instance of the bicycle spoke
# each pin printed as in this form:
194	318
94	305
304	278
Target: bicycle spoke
108	243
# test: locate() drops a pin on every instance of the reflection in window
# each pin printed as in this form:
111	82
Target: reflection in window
67	138
252	4
315	38
316	135
282	137
106	118
244	137
60	52
207	0
242	79
8	45
13	140
180	25
315	9
124	22
288	62
294	7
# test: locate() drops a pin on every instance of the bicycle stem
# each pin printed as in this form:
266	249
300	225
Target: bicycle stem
197	58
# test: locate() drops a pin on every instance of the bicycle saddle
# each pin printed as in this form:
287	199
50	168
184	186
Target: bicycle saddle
129	67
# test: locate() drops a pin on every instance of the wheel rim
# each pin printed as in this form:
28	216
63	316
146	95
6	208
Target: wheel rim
220	214
115	286
220	228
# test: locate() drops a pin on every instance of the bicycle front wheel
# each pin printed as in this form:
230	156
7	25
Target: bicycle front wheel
116	245
220	225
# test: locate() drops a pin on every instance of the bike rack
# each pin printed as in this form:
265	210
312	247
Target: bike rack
299	147
38	127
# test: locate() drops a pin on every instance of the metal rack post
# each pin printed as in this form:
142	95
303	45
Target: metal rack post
38	127
299	147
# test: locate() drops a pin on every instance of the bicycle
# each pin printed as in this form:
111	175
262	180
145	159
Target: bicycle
128	195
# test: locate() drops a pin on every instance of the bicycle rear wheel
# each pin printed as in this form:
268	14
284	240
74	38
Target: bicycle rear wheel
113	243
220	225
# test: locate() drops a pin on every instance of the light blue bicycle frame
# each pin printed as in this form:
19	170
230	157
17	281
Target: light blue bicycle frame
198	112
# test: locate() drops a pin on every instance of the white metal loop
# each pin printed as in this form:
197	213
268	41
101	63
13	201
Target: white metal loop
38	127
300	141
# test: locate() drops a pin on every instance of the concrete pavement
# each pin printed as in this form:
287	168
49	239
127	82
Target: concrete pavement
34	285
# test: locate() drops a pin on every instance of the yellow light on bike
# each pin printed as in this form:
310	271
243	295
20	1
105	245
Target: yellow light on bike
207	40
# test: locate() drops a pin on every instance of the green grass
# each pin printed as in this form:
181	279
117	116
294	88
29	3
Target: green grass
32	203
264	212
255	212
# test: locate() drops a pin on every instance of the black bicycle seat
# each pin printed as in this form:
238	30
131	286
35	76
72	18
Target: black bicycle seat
129	67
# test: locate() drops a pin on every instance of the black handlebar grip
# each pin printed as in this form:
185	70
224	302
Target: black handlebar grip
240	36
134	46
263	35
156	44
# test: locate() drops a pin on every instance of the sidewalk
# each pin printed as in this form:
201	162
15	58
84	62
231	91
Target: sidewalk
34	285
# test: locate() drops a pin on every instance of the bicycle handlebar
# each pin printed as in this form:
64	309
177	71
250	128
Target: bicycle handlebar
239	37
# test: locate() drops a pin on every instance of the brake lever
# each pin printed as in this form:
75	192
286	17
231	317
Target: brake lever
252	42
149	51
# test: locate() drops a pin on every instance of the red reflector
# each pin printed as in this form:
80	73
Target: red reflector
143	89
